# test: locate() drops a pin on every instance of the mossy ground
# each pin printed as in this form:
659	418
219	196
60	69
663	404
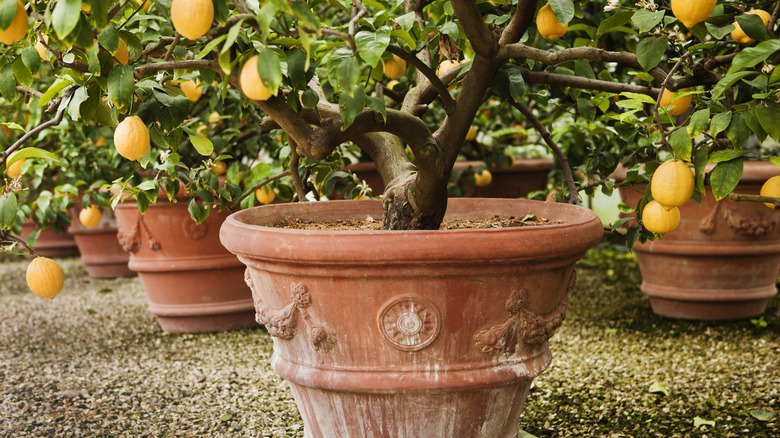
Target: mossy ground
93	362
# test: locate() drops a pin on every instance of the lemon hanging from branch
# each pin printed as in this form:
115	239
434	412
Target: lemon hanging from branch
692	12
192	18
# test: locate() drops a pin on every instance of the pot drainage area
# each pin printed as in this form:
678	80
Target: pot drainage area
94	362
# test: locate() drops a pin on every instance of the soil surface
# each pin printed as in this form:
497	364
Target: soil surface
372	224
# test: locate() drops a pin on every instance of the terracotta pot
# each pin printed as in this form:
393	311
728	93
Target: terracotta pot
411	333
193	283
518	181
100	250
722	261
51	243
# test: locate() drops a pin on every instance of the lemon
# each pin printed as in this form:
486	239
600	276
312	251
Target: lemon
658	219
472	134
250	81
42	49
191	90
739	35
44	277
394	68
131	138
265	195
483	178
548	25
219	168
692	12
122	55
192	18
18	28
15	169
771	188
678	105
672	184
90	216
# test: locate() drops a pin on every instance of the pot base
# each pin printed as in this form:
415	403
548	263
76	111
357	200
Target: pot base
723	305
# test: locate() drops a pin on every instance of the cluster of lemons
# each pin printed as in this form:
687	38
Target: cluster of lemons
671	187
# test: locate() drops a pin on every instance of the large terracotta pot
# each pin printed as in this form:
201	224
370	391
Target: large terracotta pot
722	261
51	243
411	333
99	248
193	283
524	177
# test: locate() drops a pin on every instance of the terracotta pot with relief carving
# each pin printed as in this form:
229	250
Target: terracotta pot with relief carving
722	261
100	251
193	283
411	333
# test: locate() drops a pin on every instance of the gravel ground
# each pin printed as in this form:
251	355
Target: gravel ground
93	362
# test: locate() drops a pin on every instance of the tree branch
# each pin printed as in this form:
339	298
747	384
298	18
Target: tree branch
477	31
296	177
189	64
521	20
755	198
237	204
535	77
438	85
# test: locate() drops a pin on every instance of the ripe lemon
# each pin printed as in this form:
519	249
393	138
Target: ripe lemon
446	66
191	90
192	18
18	28
265	195
44	277
739	35
483	178
658	219
678	105
692	12
122	55
672	184
131	138
394	68
392	84
90	217
250	81
15	169
472	134
219	168
42	49
100	141
771	188
145	5
548	25
214	118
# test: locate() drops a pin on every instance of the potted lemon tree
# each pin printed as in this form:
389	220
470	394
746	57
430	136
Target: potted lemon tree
394	325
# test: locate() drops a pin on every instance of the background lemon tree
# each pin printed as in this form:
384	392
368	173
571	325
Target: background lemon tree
304	79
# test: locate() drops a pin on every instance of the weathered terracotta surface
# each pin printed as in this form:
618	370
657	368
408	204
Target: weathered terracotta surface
51	243
193	283
518	181
722	261
99	248
411	333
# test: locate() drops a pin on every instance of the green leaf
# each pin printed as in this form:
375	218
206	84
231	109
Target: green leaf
754	124
22	73
372	45
524	434
267	15
751	56
221	11
53	90
32	153
306	17
351	105
725	177
377	105
725	155
232	35
31	59
202	144
753	26
738	131
7	13
719	32
197	212
121	84
270	69
296	64
226	417
699	122
768	116
450	29
8	207
649	51
699	164
310	98
564	10
761	415
719	123
617	20
405	21
347	72
646	19
65	16
74	107
659	388
698	421
109	39
680	142
727	82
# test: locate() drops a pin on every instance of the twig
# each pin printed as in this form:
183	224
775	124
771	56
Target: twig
756	198
358	11
296	177
173	45
446	98
538	77
773	19
257	186
18	240
660	125
573	196
188	64
30	90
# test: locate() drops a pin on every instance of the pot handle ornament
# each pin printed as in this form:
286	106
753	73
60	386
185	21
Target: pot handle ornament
130	240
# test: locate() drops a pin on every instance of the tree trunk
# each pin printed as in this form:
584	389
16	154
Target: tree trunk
403	212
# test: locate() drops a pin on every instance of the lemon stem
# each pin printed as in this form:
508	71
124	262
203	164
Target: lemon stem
755	198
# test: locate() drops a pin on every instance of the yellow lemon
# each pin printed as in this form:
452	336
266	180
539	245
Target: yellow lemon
678	105
483	178
122	55
131	138
145	5
692	12
44	277
394	68
100	141
191	90
192	18
672	184
548	25
771	188
250	81
214	118
15	169
472	134
219	168
90	217
739	35
42	49
658	219
265	195
18	28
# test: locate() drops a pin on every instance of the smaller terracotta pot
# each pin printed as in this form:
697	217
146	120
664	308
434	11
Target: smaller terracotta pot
51	243
100	250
